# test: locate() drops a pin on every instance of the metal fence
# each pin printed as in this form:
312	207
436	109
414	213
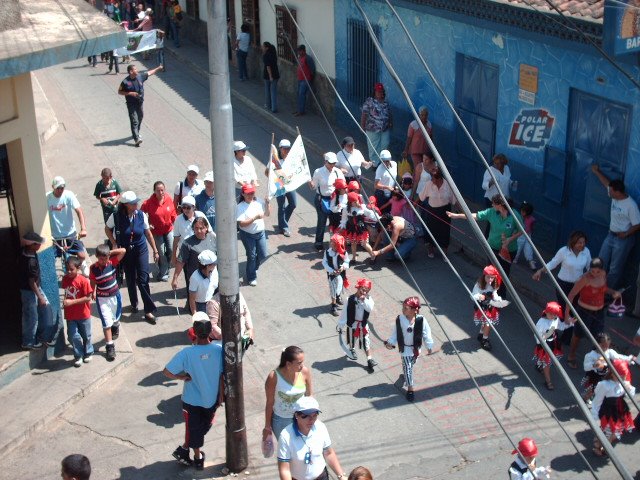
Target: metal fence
363	62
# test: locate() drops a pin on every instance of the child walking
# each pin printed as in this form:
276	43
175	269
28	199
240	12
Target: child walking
547	325
353	224
336	262
524	464
411	332
77	311
595	366
106	292
203	283
485	292
611	408
526	210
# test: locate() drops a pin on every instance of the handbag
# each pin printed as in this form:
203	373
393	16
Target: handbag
616	309
325	204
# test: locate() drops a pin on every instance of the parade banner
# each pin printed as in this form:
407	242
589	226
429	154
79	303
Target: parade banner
137	42
292	172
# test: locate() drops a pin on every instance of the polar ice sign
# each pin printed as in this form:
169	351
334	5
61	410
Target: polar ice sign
531	128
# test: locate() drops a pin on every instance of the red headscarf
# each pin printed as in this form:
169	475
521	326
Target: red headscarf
353	186
339	183
373	205
553	308
339	243
527	448
413	302
493	271
363	282
354	197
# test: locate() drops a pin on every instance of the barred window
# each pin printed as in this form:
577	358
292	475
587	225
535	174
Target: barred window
287	33
251	16
193	9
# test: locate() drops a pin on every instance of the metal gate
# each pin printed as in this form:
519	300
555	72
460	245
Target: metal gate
362	62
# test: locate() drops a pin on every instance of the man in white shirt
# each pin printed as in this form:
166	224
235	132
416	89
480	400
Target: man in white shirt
385	182
243	170
189	186
322	182
61	204
250	215
624	223
351	160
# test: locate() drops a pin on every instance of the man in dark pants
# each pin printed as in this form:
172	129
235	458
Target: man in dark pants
322	183
132	88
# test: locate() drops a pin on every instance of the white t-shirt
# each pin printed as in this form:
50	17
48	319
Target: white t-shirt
198	186
61	213
572	266
624	215
387	177
504	180
203	287
351	162
293	446
323	179
111	223
182	227
243	41
244	172
246	210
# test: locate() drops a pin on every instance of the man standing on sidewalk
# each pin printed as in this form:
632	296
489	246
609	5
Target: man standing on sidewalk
132	88
624	223
306	70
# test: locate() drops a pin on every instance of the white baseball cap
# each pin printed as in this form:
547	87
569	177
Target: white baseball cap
284	143
207	257
208	177
330	157
385	155
189	200
129	197
58	182
193	168
307	406
239	145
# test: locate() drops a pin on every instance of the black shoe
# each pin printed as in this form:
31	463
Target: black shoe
111	352
410	396
182	456
479	337
115	330
133	309
339	300
318	246
334	310
150	318
199	462
354	354
486	344
371	363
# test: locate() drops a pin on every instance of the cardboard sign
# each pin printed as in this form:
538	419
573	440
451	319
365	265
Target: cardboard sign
531	128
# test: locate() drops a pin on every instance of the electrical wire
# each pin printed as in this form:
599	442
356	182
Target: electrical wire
422	294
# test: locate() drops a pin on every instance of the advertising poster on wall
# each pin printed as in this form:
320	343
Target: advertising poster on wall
622	26
531	129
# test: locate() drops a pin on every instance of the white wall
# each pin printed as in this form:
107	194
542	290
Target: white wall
315	19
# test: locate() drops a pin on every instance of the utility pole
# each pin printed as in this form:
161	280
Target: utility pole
221	120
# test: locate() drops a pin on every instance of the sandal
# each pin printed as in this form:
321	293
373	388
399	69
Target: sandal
549	385
573	363
598	450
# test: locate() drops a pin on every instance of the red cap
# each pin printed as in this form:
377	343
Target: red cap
353	197
248	188
412	302
363	282
339	243
622	368
353	185
378	87
340	183
527	448
553	308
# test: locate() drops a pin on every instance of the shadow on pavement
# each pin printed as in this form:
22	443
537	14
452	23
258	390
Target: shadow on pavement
170	470
157	378
381	390
312	312
334	365
163	340
170	413
116	142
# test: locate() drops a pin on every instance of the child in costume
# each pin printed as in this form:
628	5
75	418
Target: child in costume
337	203
524	463
356	318
547	325
485	292
336	262
353	224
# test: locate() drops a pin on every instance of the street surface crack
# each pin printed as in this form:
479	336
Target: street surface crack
120	440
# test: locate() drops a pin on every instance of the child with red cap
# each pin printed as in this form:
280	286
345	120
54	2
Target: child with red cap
547	325
524	464
337	203
410	333
336	262
356	318
353	225
610	407
485	292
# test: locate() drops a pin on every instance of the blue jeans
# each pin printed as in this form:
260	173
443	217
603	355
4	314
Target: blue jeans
284	213
278	424
160	56
303	88
79	334
175	33
378	141
242	64
404	248
255	245
37	320
271	94
164	244
321	223
614	253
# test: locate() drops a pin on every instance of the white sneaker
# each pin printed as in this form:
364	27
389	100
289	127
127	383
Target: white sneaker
87	359
253	283
77	363
532	265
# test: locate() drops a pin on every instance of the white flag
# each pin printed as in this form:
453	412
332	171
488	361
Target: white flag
137	42
293	171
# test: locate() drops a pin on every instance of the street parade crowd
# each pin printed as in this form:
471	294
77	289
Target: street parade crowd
175	227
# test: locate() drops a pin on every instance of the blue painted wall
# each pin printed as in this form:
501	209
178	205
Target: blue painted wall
440	38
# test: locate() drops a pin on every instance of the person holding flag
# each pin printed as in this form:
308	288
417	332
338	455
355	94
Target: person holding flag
287	200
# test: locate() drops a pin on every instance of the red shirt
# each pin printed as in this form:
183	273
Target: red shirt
161	214
303	70
75	288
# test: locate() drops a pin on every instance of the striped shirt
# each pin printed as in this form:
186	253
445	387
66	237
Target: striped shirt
105	278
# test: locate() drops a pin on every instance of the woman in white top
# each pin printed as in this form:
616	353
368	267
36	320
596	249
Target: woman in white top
242	51
440	198
385	182
203	282
249	215
501	171
351	160
421	175
283	388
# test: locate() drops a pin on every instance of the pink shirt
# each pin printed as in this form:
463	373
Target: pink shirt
396	206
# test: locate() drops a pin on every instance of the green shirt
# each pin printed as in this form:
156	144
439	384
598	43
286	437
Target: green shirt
499	226
102	191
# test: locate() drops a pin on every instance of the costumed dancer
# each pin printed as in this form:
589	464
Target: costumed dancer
610	406
336	262
353	224
547	325
524	463
372	222
595	366
337	203
356	318
410	333
354	186
485	292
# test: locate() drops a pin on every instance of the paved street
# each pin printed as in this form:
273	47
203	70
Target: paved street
130	425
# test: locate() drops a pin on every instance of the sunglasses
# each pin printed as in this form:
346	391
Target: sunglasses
304	416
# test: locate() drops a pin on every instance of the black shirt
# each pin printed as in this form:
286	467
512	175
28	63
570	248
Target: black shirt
270	59
28	268
135	85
